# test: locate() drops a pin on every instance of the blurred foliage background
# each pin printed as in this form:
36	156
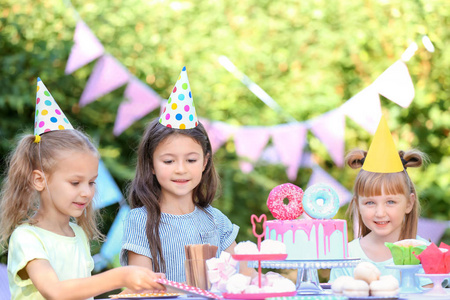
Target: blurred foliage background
310	56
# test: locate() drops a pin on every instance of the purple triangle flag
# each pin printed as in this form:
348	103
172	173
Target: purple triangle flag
250	142
140	99
329	128
86	48
108	75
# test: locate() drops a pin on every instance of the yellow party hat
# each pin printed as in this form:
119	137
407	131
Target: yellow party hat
382	156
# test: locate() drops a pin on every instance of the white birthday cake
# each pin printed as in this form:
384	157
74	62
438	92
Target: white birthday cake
319	238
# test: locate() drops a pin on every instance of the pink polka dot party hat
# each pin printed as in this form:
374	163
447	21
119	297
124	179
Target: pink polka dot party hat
180	111
48	115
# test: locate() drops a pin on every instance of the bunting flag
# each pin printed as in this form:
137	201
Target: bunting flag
320	176
432	230
329	128
85	49
307	161
289	141
108	75
250	142
364	108
107	190
140	100
396	84
270	155
218	133
113	242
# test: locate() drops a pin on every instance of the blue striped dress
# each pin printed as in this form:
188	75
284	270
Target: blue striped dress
202	226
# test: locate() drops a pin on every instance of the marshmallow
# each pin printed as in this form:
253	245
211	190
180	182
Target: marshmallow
272	247
356	288
219	270
366	271
237	283
338	284
387	286
247	247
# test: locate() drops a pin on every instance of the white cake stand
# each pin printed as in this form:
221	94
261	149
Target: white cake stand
437	289
409	284
307	278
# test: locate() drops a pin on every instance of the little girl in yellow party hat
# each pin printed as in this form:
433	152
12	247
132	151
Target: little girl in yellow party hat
384	202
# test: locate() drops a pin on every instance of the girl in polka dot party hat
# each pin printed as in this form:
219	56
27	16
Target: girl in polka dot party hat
46	212
172	192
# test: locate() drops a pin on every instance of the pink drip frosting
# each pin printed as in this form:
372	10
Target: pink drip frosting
329	226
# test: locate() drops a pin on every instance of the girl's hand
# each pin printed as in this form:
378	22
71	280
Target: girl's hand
141	279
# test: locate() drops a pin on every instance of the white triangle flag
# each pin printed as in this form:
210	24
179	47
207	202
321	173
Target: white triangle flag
395	84
364	108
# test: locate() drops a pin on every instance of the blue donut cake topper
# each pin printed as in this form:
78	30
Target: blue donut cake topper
320	201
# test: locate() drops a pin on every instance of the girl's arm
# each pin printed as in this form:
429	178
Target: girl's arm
243	265
46	281
139	260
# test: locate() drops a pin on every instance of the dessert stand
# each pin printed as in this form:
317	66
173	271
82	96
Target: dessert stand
259	258
307	278
437	289
409	284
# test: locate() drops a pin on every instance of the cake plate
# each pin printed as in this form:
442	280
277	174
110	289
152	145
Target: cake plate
307	277
409	284
437	289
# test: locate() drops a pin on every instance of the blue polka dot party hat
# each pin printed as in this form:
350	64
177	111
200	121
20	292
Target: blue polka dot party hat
48	115
180	111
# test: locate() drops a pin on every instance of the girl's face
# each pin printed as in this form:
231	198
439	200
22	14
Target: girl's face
71	185
178	164
384	214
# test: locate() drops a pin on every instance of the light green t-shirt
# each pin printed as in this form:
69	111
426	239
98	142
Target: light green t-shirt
70	257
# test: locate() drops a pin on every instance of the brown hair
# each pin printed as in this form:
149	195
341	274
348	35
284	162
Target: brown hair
19	200
146	191
373	184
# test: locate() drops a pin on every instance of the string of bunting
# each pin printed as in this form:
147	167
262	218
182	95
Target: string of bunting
364	108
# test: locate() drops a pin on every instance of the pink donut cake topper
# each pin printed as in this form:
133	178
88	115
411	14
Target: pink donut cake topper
281	211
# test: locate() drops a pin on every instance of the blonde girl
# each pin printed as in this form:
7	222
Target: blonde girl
47	215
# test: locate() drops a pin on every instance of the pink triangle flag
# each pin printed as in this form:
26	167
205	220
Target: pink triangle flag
250	142
218	133
320	176
85	49
108	75
329	128
140	100
289	141
395	84
365	109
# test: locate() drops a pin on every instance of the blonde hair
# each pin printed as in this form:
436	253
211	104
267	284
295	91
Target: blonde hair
19	201
373	184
